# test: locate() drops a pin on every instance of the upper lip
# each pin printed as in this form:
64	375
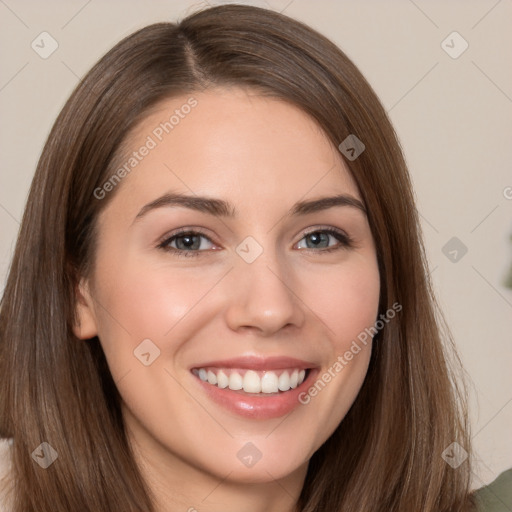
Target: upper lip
258	363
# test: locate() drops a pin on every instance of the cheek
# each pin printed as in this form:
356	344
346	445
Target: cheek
346	299
145	299
137	301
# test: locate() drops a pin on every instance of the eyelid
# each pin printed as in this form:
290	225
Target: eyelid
181	231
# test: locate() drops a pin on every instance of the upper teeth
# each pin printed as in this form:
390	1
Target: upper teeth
251	381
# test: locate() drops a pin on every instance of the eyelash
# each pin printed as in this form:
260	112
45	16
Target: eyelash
345	242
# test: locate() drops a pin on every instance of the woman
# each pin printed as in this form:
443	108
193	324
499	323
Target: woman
219	297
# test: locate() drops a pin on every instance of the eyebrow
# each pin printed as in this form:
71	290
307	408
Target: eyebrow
221	208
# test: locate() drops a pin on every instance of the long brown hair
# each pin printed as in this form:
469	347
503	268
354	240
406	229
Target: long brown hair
386	454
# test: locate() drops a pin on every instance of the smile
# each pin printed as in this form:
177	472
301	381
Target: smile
255	387
251	381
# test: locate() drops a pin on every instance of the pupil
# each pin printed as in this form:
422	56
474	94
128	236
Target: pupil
188	241
316	238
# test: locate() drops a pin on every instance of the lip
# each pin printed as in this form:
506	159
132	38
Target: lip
258	363
255	406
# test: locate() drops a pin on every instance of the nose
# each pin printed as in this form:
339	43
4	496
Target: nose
263	296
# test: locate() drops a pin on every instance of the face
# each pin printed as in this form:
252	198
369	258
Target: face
227	316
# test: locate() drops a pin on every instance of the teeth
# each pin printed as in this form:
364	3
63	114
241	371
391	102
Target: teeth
235	381
269	383
284	382
294	379
222	380
251	381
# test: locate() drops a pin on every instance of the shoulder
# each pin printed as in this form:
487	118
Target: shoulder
497	496
5	473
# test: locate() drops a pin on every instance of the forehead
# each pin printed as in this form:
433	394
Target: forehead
231	141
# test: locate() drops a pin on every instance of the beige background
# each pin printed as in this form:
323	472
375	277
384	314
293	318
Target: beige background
453	116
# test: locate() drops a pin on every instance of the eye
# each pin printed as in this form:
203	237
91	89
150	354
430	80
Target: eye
320	237
186	243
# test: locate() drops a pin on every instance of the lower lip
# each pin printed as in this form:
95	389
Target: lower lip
258	406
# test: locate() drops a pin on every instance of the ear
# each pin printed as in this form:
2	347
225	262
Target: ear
85	326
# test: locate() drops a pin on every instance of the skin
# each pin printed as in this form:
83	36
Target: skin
262	155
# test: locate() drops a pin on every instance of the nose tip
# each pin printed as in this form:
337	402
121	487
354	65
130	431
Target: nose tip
263	299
